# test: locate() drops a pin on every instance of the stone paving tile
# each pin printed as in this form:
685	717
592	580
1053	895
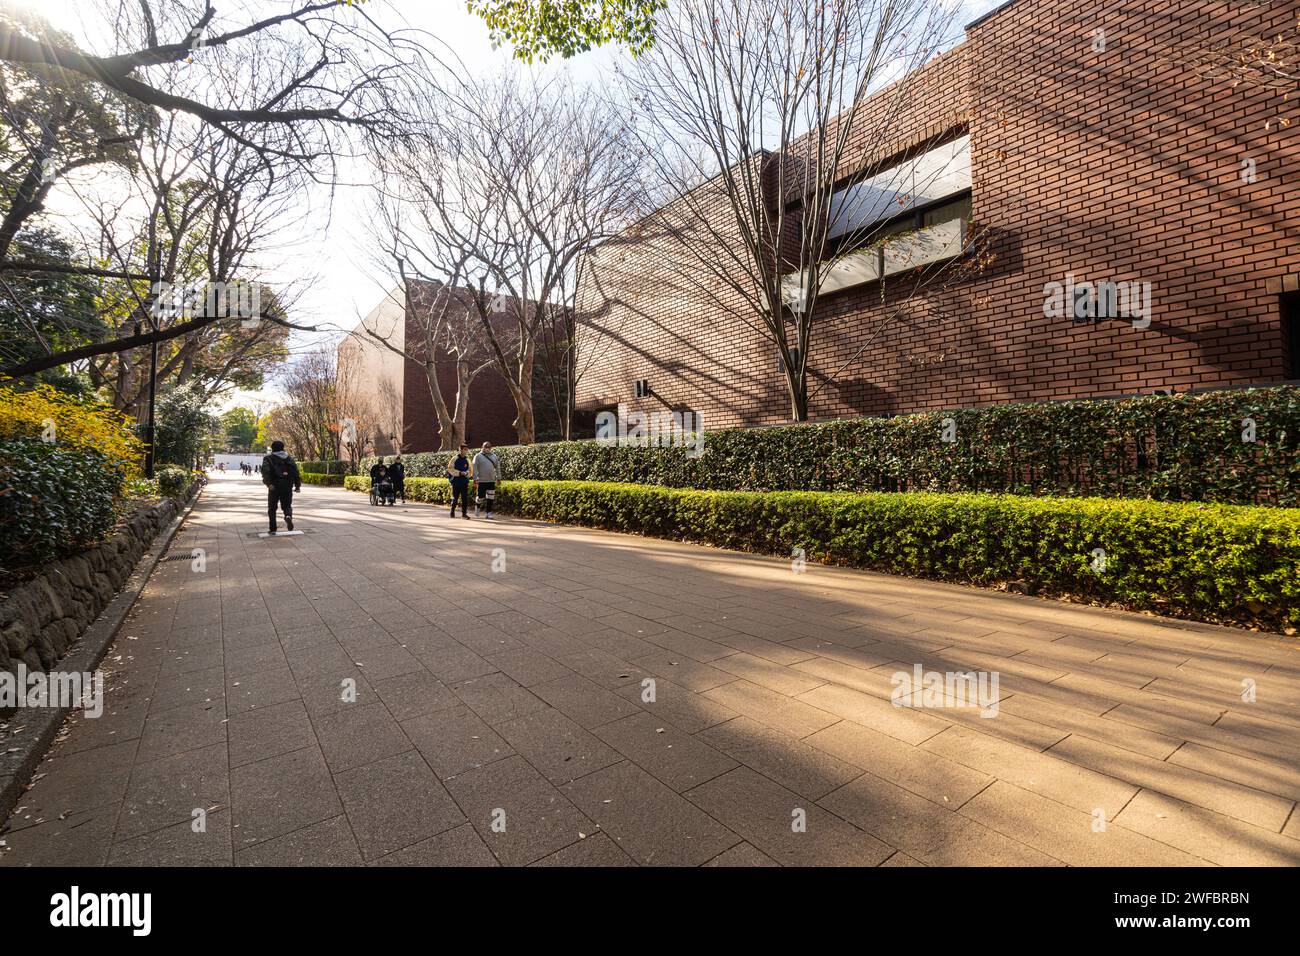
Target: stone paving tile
673	756
797	766
742	854
459	846
683	670
1213	793
179	845
415	694
932	833
1066	721
792	717
1220	839
520	816
677	705
1068	834
584	702
907	724
497	698
76	782
394	803
528	667
651	823
269	732
763	813
358	734
1271	776
597	850
81	839
328	843
193	687
167	791
527	693
556	746
1050	775
279	795
181	729
921	771
456	739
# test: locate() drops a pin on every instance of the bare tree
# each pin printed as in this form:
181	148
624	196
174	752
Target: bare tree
264	100
767	126
516	181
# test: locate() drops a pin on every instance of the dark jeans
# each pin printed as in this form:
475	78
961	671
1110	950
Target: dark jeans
460	492
281	495
399	488
485	499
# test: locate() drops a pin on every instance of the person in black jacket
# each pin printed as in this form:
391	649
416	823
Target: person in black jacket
281	477
397	472
458	474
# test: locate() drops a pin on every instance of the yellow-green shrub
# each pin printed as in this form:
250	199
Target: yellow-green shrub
70	423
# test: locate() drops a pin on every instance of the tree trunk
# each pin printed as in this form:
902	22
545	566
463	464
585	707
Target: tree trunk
522	393
446	424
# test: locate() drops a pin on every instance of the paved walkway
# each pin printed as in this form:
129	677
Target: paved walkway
503	716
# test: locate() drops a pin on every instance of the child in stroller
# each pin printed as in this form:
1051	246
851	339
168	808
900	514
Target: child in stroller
382	490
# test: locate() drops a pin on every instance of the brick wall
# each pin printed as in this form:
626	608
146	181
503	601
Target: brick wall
1114	165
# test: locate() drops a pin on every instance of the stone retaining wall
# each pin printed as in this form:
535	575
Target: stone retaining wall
41	618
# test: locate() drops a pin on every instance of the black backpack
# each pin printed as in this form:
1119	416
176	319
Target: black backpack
279	470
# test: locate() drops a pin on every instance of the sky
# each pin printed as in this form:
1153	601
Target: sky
341	285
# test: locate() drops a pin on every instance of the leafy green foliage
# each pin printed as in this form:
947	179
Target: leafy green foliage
539	29
326	467
183	427
1209	562
240	429
318	478
54	500
1170	448
173	480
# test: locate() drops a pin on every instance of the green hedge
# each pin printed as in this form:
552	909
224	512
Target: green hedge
1170	448
326	467
1210	562
315	478
173	480
53	501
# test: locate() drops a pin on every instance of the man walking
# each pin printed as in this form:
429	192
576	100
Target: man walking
487	471
458	473
397	472
280	475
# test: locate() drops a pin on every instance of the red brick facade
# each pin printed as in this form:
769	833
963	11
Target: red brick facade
1123	164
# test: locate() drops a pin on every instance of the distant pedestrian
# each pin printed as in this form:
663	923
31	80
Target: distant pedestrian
487	472
377	470
281	477
458	473
397	472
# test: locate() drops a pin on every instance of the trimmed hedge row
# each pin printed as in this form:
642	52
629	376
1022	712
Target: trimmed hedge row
1209	562
1169	448
54	500
316	478
326	467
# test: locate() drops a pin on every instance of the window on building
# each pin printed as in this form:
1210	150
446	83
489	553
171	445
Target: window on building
1290	307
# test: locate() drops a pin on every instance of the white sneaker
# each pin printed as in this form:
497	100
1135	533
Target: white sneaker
491	516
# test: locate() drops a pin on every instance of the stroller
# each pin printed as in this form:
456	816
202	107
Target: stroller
382	492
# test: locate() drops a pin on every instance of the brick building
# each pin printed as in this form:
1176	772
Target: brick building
1073	161
399	387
